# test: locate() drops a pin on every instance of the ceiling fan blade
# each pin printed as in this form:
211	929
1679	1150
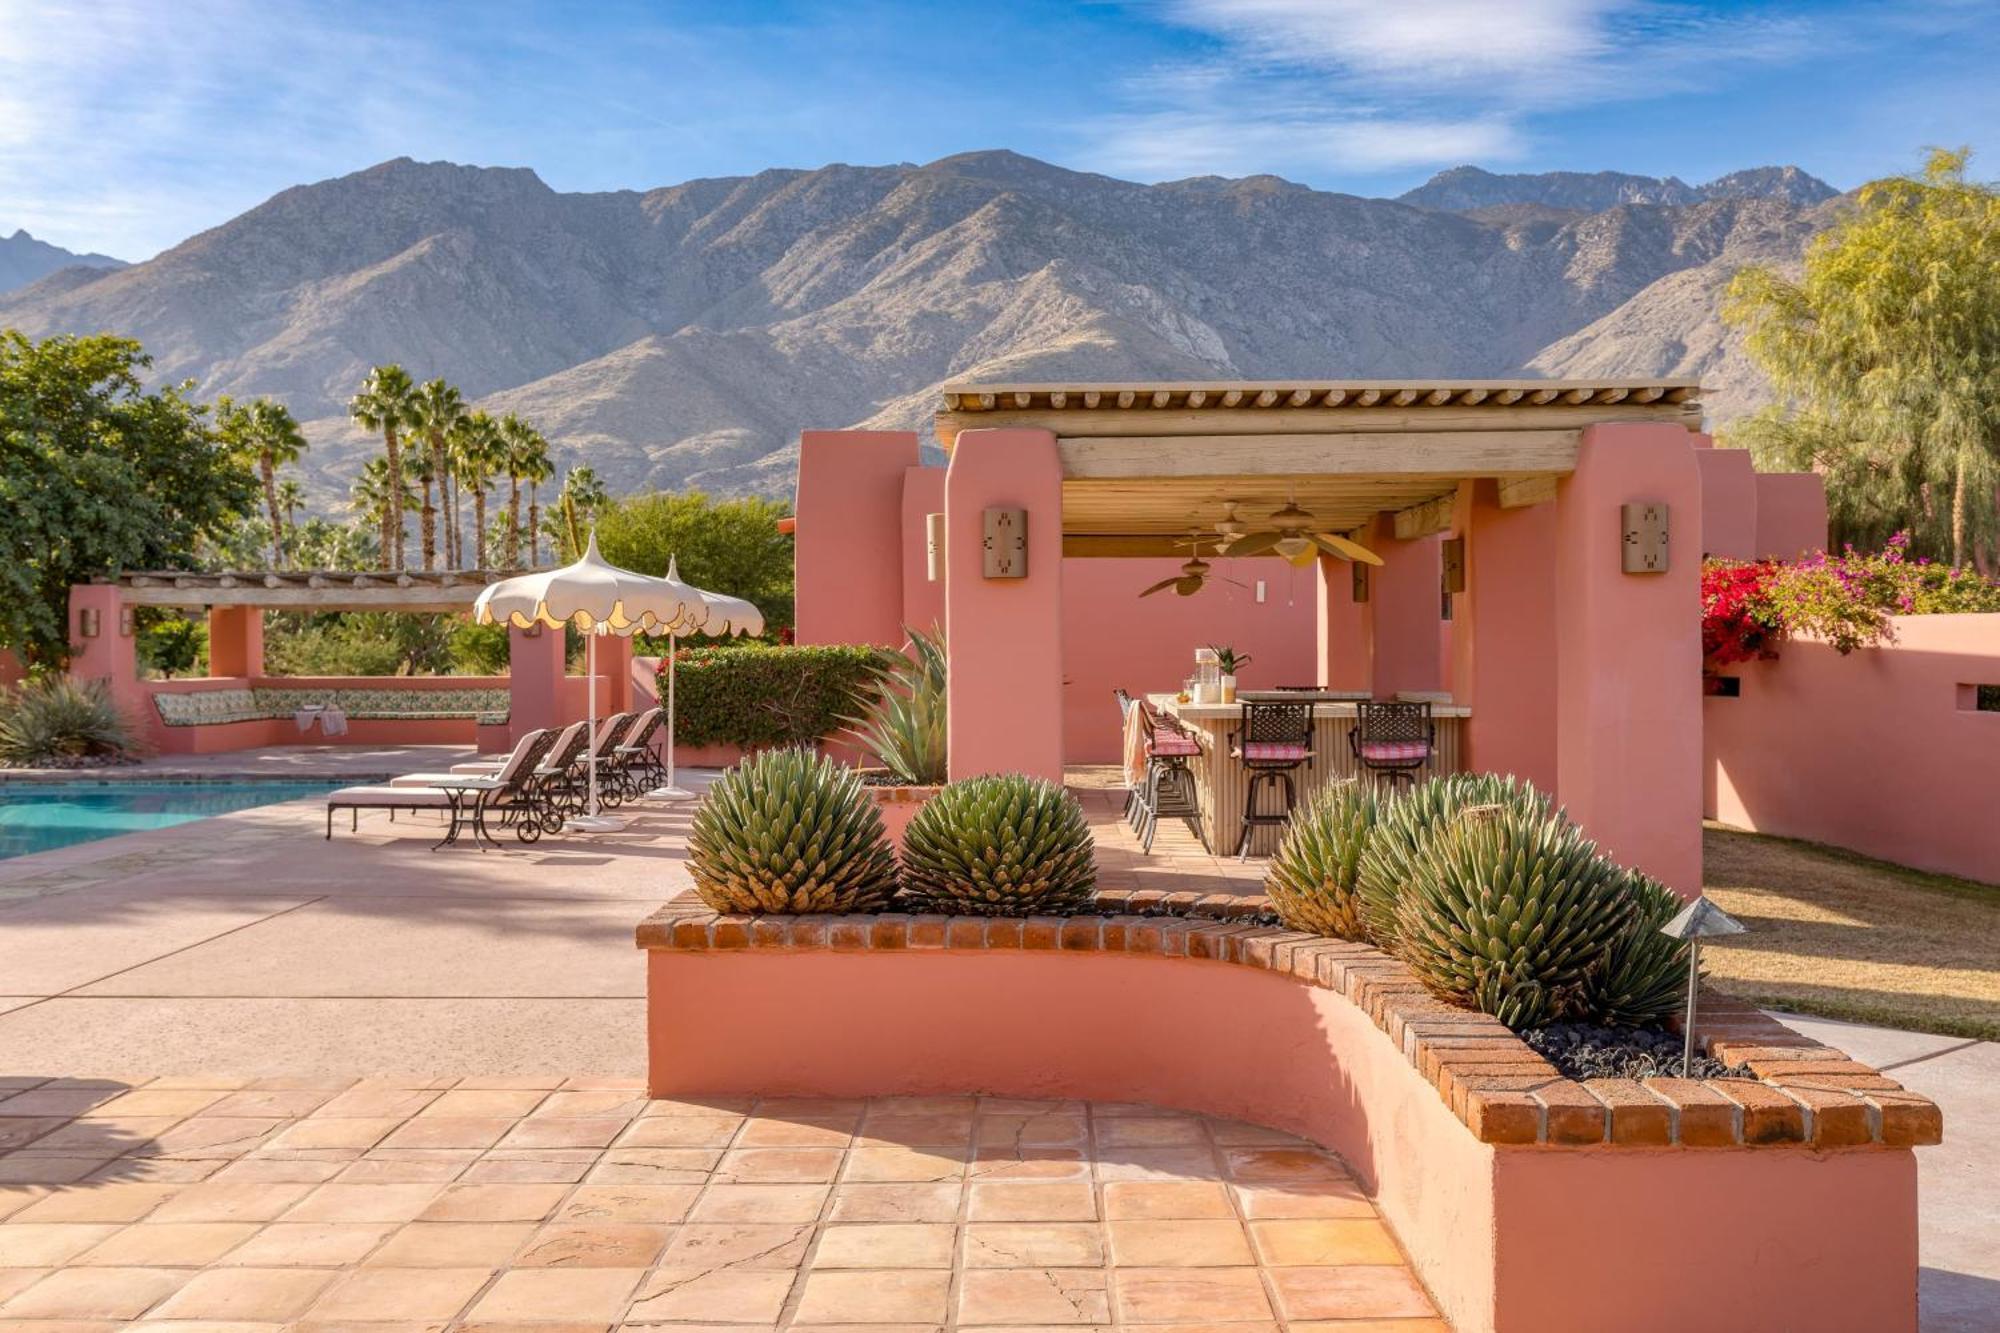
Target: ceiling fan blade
1189	586
1304	559
1347	548
1161	586
1255	543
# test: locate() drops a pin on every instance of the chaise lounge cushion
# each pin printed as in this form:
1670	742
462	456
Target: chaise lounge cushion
382	797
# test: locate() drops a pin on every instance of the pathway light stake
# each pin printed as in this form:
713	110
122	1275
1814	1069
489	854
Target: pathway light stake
1697	921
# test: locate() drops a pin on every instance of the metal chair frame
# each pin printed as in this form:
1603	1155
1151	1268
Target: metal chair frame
1169	789
1271	721
1386	722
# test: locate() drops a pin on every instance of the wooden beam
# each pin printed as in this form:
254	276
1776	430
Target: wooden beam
1314	420
1136	545
1445	454
1520	492
1424	519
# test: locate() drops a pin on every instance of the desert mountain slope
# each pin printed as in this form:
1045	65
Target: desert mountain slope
25	260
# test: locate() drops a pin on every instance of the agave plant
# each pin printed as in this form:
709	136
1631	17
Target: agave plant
1404	826
1509	911
1311	881
903	724
790	831
1009	845
1643	979
53	719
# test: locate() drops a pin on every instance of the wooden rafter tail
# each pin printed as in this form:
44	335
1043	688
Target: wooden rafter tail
1300	397
1472	397
1197	397
1507	396
1231	397
1540	396
1403	398
1126	397
1438	397
1334	398
1024	400
1266	397
1368	398
1161	397
1058	399
1091	398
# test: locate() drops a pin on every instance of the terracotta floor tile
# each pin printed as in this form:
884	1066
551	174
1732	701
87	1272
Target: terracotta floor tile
168	1244
610	1103
660	1166
1189	1295
850	1109
335	1132
232	1201
1302	1201
24	1130
46	1244
885	1245
122	1202
171	1102
628	1203
564	1132
765	1132
1285	1166
729	1295
1033	1296
1030	1106
549	1293
494	1203
993	1162
511	1083
24	1169
884	1296
364	1203
246	1293
1158	1200
1157	1164
1030	1201
1242	1134
448	1131
1179	1244
1040	1129
284	1102
594	1245
778	1165
434	1166
946	1129
738	1245
1373	1326
1349	1293
280	1170
487	1102
895	1203
93	1293
370	1294
1033	1245
918	1103
760	1203
681	1131
526	1171
452	1245
14	1281
377	1103
63	1102
309	1244
158	1170
1150	1132
671	1106
1320	1241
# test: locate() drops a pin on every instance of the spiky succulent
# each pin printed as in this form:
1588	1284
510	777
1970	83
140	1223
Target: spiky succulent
1509	911
1008	845
1311	881
1405	822
790	831
1643	979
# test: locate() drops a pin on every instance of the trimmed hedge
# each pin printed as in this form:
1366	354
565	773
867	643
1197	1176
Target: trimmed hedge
760	694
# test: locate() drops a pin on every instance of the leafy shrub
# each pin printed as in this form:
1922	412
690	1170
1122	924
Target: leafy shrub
169	641
760	694
1738	623
903	724
1643	979
56	721
790	831
1313	880
1007	845
1404	825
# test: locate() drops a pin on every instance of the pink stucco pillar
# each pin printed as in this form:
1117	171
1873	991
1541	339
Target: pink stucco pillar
109	654
1503	637
1005	645
534	679
848	554
1344	631
1404	605
235	641
1791	515
923	596
614	665
1628	654
1728	503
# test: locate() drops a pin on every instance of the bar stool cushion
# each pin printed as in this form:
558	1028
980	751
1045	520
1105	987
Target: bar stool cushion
1273	751
1389	752
1166	743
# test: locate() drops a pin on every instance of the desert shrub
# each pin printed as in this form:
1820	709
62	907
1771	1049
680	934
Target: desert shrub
1313	879
790	831
1406	821
760	694
1007	845
53	720
1642	980
903	722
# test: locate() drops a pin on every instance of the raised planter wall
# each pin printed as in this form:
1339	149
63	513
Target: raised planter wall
1789	1202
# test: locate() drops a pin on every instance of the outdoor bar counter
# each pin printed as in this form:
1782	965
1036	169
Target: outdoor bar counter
1221	782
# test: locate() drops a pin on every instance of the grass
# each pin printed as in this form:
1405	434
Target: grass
1845	936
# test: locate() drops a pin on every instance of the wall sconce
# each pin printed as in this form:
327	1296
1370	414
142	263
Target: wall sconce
1006	545
1454	564
1645	538
87	622
128	624
1360	582
933	547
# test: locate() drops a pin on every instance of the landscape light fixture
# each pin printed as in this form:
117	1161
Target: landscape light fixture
1699	920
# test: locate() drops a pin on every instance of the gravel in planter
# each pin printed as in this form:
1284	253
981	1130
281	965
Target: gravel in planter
1585	1050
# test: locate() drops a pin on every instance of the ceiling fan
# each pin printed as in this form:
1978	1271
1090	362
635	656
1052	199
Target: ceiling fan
1194	576
1290	536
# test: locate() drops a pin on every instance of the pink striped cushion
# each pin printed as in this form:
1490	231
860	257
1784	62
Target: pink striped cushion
1168	743
1389	752
1273	750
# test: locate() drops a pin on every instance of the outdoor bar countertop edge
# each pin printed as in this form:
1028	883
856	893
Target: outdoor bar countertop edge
1230	712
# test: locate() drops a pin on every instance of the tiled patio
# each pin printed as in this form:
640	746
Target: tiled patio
1178	874
387	1205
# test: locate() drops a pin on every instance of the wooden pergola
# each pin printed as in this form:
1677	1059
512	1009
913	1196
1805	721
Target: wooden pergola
306	589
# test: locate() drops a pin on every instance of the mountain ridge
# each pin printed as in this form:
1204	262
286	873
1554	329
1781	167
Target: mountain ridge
24	260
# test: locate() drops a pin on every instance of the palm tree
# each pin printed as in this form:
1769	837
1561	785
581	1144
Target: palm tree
369	498
436	409
385	404
519	443
536	468
476	454
266	434
290	497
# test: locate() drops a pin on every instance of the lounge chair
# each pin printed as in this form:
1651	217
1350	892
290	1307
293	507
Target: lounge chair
475	768
634	762
510	790
610	794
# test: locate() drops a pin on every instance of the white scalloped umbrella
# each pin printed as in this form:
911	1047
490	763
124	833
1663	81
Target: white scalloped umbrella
722	616
598	598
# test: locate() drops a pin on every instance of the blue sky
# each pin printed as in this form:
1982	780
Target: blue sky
127	125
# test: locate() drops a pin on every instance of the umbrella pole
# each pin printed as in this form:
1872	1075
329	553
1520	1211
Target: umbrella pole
591	821
673	791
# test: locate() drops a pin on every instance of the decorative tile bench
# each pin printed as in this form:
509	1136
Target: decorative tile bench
1786	1200
485	705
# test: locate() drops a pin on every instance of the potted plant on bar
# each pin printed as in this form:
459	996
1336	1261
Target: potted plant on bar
903	726
1227	660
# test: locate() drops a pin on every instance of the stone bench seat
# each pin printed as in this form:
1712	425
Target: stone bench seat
484	704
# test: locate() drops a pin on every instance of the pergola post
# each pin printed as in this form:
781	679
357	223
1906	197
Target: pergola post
535	665
1344	633
923	597
1503	626
1404	601
235	641
614	663
848	552
102	647
1627	654
1005	644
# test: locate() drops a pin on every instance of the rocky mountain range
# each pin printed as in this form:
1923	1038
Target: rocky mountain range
684	335
23	260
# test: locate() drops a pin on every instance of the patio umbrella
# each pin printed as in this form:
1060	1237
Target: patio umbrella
598	598
722	616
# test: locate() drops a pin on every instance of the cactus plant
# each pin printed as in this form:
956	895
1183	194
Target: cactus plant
1008	845
1311	881
1508	911
790	831
1404	826
1643	979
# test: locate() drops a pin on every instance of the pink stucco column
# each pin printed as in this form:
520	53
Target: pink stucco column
534	679
1343	629
614	664
1728	503
848	554
235	641
1628	654
1791	515
1503	636
110	654
1403	604
1005	645
923	597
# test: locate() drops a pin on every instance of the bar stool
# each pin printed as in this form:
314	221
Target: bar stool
1125	706
1393	740
1169	788
1274	743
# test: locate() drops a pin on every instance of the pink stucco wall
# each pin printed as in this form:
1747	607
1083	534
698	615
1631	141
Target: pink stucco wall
1728	503
1403	607
1343	630
1791	515
1880	751
849	543
923	596
1503	664
1508	1240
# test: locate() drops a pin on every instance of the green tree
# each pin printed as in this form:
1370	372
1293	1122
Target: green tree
290	497
727	546
369	498
387	403
536	467
477	453
265	433
1888	348
435	411
97	475
520	445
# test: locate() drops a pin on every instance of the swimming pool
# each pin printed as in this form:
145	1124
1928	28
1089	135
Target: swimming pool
41	816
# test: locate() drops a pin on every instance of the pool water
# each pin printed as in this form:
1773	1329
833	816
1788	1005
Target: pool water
41	816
